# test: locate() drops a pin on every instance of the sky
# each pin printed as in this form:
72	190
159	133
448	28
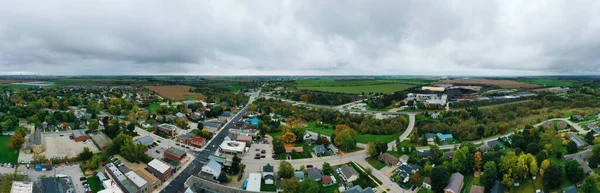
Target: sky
302	37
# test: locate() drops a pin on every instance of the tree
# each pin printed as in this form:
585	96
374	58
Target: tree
278	146
415	178
223	177
286	170
92	164
507	179
289	185
327	169
436	154
458	161
200	125
590	183
380	146
86	154
533	148
93	126
288	137
7	181
545	165
571	147
309	185
477	158
16	141
533	166
589	137
371	149
131	127
574	171
540	157
490	174
552	176
344	137
439	178
39	158
235	164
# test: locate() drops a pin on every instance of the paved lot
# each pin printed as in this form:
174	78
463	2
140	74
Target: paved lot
72	171
252	153
56	145
153	154
6	170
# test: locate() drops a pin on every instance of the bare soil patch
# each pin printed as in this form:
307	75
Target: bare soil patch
500	83
177	92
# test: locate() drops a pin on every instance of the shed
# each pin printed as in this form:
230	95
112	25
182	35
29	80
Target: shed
78	135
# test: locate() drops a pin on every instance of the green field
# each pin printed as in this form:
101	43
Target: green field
366	138
551	82
95	184
379	88
357	86
7	154
153	107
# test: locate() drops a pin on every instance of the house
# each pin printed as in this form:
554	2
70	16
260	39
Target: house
314	173
253	121
578	140
211	124
493	143
561	125
146	140
455	183
327	181
597	130
403	159
506	140
212	168
233	147
430	137
424	154
167	129
477	189
21	187
174	154
427	182
319	149
449	154
220	160
582	158
348	173
483	148
548	125
100	140
153	182
570	189
497	187
185	138
332	148
254	182
444	137
577	118
267	174
245	139
160	169
138	181
388	159
299	175
181	116
408	169
358	189
78	135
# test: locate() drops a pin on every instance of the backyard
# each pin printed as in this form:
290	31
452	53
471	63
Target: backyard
375	163
153	107
7	154
95	184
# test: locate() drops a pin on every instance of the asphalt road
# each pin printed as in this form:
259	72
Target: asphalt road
177	185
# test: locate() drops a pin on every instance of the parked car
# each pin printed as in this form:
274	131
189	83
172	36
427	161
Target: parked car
262	156
257	157
157	151
274	156
84	183
257	154
263	151
309	166
257	149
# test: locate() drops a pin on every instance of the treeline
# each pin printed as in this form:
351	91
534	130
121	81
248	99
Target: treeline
386	100
363	124
321	98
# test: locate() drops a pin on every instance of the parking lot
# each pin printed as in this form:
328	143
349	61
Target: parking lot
252	153
72	171
4	169
56	145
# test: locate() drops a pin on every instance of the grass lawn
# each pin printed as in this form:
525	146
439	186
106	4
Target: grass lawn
7	154
330	189
267	187
375	163
469	181
366	138
95	184
277	134
153	107
364	180
312	126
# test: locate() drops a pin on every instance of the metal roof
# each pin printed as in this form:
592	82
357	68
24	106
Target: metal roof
159	165
136	179
78	133
176	152
146	140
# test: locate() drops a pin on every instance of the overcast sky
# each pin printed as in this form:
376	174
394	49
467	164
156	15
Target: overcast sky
302	37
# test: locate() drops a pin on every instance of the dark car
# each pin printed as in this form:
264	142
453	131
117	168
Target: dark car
257	157
413	188
257	154
262	156
274	156
263	151
157	151
82	179
83	183
309	166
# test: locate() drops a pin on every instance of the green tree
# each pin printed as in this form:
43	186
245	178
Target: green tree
590	183
92	164
200	125
93	126
381	147
289	185
235	164
439	178
490	174
571	147
371	149
436	154
17	140
223	177
309	185
589	137
86	154
459	159
327	169
552	176
574	171
131	127
286	170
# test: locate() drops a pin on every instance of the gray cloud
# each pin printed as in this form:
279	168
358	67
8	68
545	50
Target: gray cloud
224	37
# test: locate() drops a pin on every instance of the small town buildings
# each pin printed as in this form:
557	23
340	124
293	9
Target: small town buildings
561	125
449	154
245	139
167	129
299	175
348	173
314	173
138	181
197	141
160	169
146	140
455	183
358	189
483	148
100	140
212	168
174	154
292	149
35	144
319	150
21	187
477	189
153	182
244	132
268	174
388	159
427	183
493	144
110	186
78	135
210	125
254	182
327	181
184	138
548	125
120	178
232	147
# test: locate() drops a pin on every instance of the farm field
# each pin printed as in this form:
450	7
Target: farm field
383	88
7	154
358	86
176	92
500	83
551	82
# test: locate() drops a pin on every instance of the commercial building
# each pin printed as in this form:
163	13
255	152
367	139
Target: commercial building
232	147
138	181
121	179
21	187
174	154
78	135
245	139
153	182
110	186
167	129
100	140
160	169
254	181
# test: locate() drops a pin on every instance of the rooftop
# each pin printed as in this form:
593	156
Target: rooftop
136	179
176	152
268	168
236	146
146	140
167	126
78	133
254	181
159	165
21	187
110	187
455	182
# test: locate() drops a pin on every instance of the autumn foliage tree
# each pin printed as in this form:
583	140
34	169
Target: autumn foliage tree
415	178
288	137
17	140
477	158
304	98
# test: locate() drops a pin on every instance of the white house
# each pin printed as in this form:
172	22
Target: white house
213	168
267	174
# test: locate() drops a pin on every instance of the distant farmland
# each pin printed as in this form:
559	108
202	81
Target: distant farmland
500	83
352	86
177	92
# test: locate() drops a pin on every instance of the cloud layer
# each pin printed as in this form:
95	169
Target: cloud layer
222	37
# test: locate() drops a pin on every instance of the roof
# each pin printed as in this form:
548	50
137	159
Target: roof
477	189
326	180
176	152
49	185
319	149
358	189
314	173
575	138
429	135
388	159
290	149
186	136
455	182
427	180
198	139
493	143
21	187
214	165
101	176
244	138
483	147
254	181
37	137
449	154
217	158
146	140
233	146
348	171
404	158
253	121
136	179
444	136
159	165
424	154
146	175
570	189
299	175
124	169
268	168
100	139
497	187
129	186
112	169
332	148
78	133
110	187
167	126
211	124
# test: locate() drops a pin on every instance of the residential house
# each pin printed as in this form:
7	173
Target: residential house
358	189
160	169
291	149
577	118
582	158
548	125
578	140
211	125
327	181
430	137
212	168
424	154
78	135
494	143
497	187
570	189
388	159
319	149
146	140
427	182
444	137
332	148
174	154
477	189
268	174
299	175
561	125
314	173
348	173
455	183
449	154
483	148
403	159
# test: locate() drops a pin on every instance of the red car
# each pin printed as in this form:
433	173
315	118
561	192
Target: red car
309	166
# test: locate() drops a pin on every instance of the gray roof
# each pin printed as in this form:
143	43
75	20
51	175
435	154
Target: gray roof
214	165
314	173
175	151
575	138
146	140
493	143
497	187
332	148
358	189
211	124
570	189
348	171
455	182
78	133
319	149
299	175
187	136
429	135
268	168
37	137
